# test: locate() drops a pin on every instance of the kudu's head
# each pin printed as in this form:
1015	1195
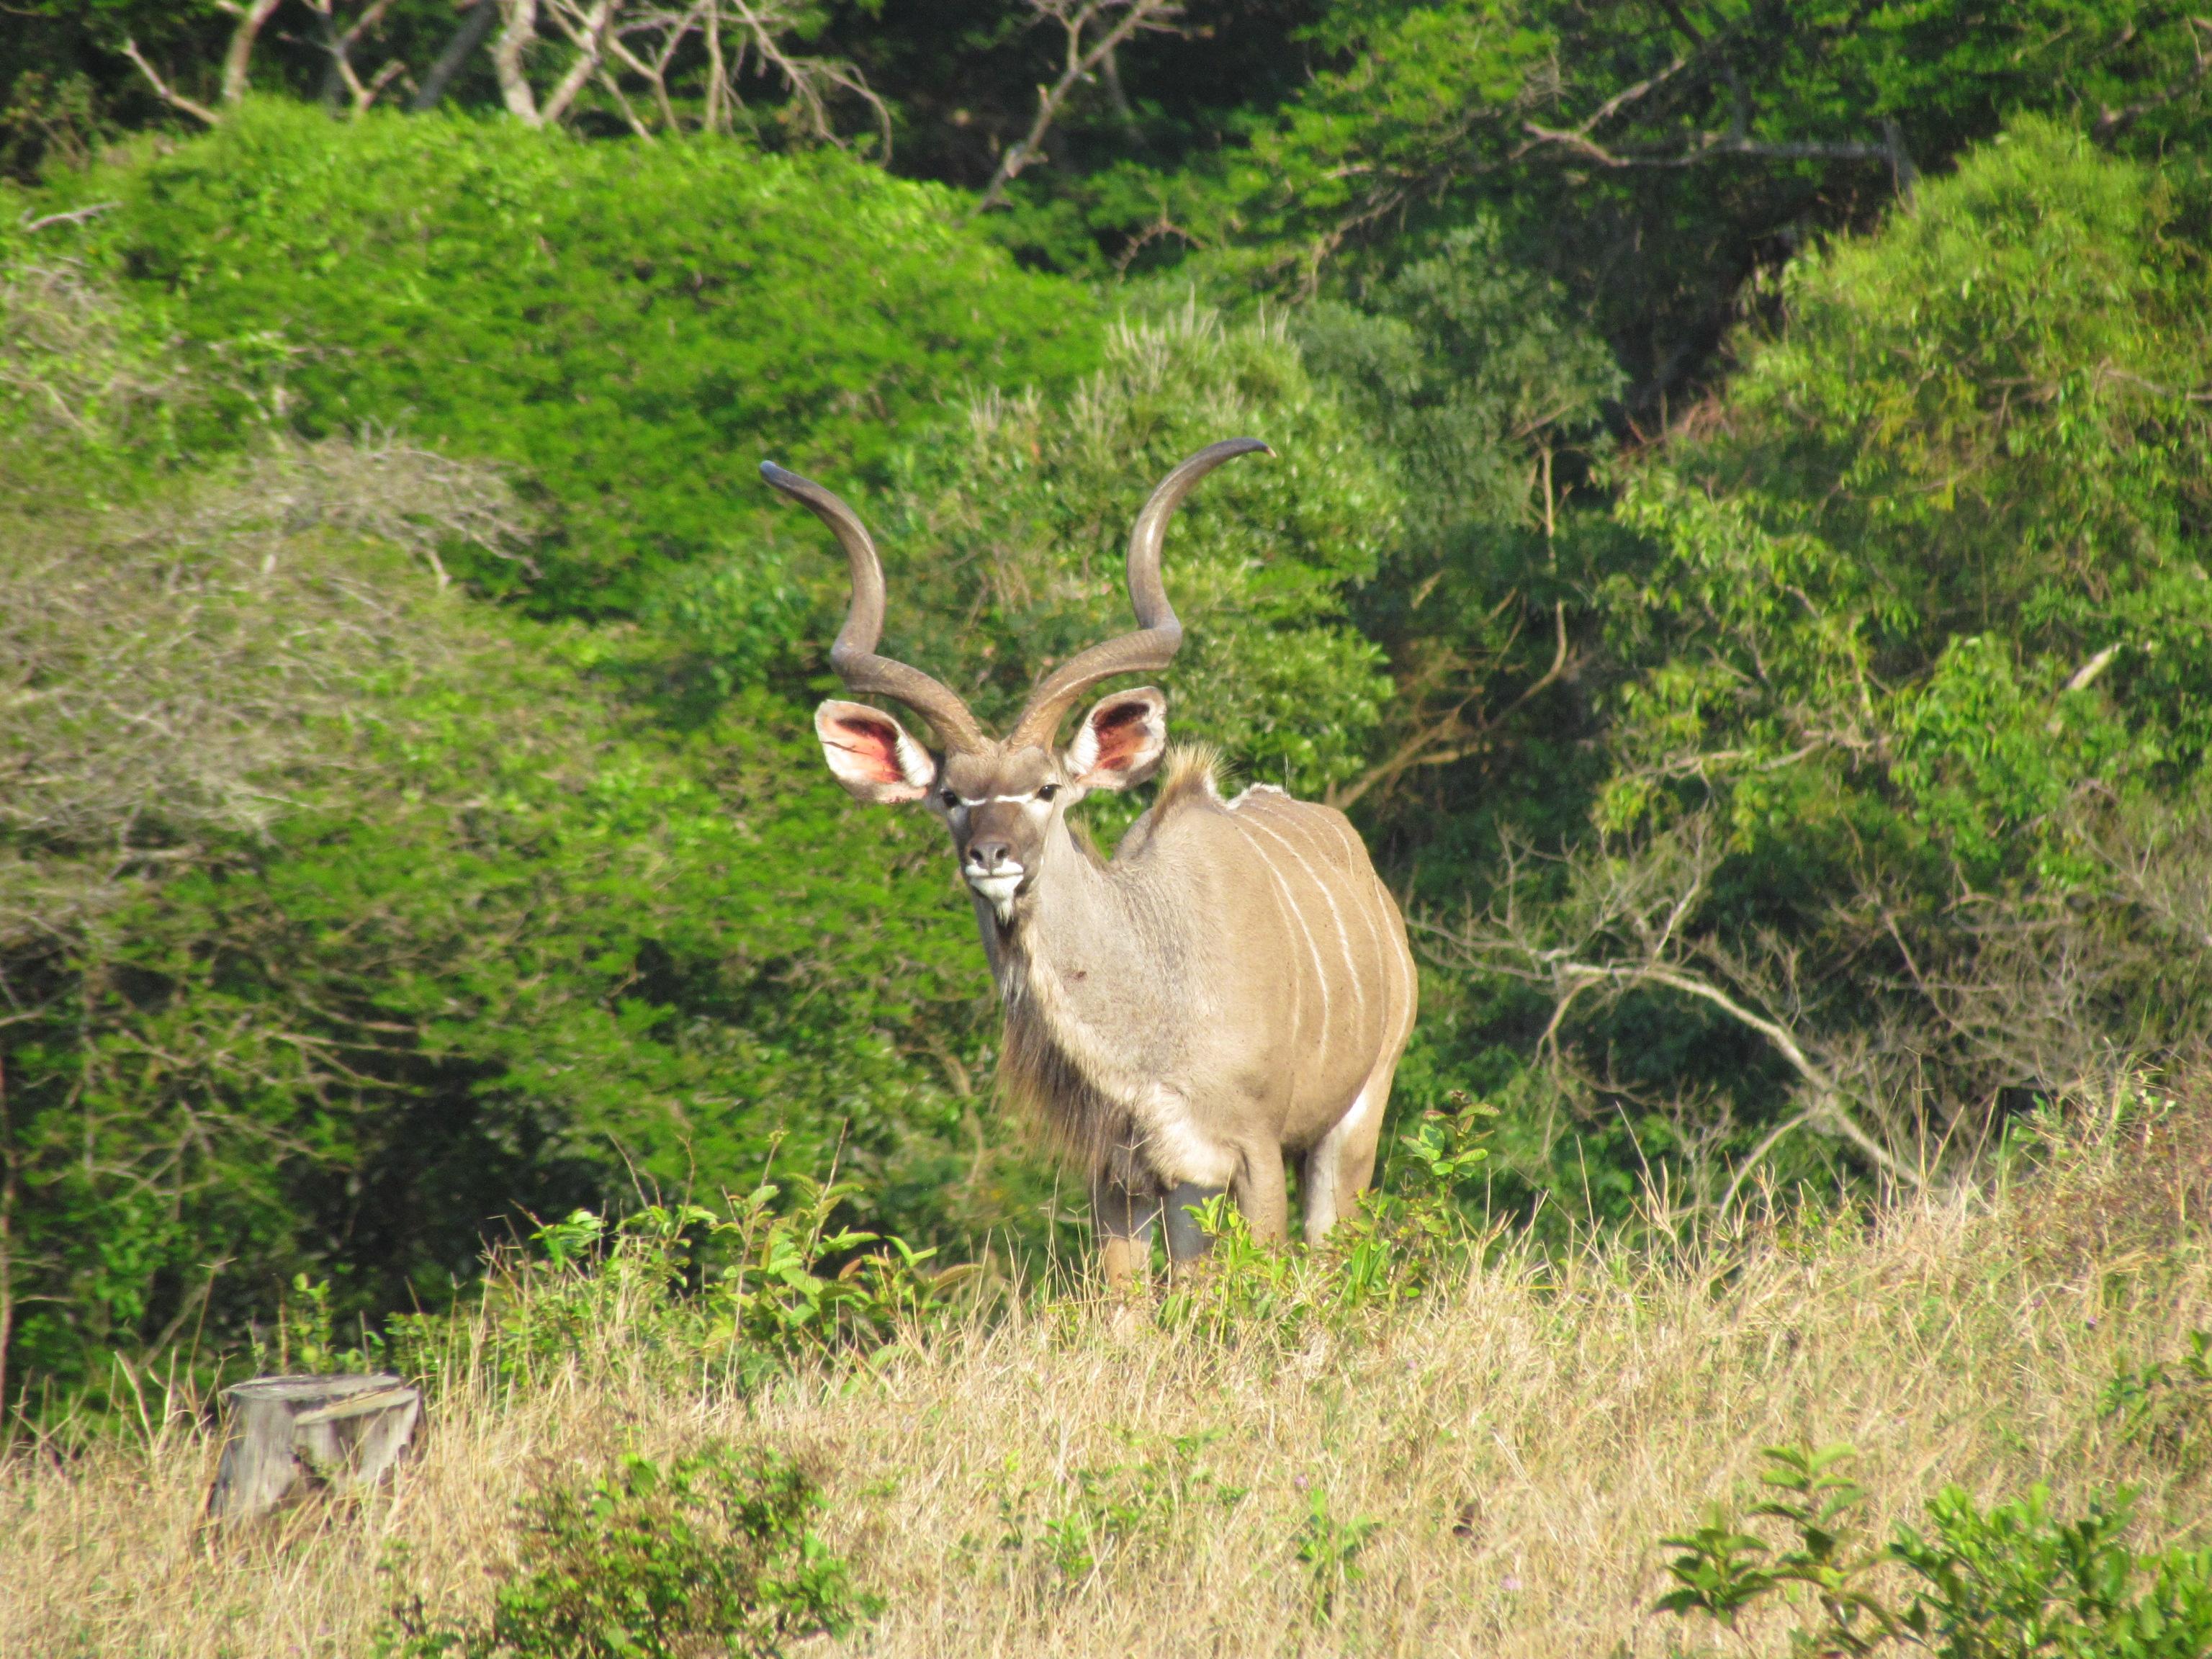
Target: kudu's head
1000	796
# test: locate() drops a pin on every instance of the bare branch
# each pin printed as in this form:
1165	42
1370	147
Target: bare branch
1075	21
515	36
1625	927
74	215
1453	738
2112	123
340	43
169	94
1706	147
808	78
2086	676
587	29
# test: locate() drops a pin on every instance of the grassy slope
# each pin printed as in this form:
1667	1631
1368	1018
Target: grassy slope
1522	1439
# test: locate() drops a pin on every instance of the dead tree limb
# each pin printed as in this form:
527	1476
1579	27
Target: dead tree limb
74	215
339	44
518	33
1078	62
2112	123
586	27
169	93
1453	738
1627	925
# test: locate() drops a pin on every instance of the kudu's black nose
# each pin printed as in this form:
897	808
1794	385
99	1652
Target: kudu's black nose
988	855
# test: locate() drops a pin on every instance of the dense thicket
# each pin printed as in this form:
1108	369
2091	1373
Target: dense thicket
1737	545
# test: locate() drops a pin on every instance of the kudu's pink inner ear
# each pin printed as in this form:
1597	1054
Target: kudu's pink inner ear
1122	739
1119	741
871	754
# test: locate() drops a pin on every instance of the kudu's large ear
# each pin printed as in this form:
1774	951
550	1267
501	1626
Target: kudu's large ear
871	754
1120	740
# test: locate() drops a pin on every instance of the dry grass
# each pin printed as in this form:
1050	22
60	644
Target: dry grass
1521	1440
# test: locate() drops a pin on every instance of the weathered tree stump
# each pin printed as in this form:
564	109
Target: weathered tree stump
295	1435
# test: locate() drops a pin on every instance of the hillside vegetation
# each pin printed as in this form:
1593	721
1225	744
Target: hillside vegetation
1737	545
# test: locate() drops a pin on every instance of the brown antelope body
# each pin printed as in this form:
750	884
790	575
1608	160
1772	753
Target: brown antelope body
1232	989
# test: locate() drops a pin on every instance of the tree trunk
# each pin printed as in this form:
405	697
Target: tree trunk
506	59
457	53
296	1435
239	58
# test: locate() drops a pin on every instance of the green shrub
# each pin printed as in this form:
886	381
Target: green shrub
1406	1235
2163	1404
2011	1582
740	1293
1329	1548
711	1551
1004	538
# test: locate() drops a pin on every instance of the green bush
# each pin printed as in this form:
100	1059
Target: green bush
2011	1582
343	920
711	1551
1004	539
1904	700
631	328
1120	1518
742	1291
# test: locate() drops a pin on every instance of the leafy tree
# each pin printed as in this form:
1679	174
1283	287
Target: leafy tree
1654	156
1011	531
631	328
1908	753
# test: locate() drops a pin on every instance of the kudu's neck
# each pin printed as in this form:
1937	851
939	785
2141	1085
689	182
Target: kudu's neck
1079	923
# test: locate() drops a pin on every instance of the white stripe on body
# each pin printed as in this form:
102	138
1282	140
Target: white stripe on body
1343	933
1283	891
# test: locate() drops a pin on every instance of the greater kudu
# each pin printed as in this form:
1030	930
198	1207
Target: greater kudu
1234	985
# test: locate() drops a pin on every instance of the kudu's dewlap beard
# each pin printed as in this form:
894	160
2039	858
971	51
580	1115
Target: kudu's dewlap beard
1234	986
997	890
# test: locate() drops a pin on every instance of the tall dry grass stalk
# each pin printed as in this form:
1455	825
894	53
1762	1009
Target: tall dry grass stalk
1520	1439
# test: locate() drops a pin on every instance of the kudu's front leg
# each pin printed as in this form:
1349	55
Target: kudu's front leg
1187	1240
1123	1219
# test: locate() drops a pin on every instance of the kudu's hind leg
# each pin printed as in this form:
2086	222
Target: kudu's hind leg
1342	1162
1260	1193
1123	1220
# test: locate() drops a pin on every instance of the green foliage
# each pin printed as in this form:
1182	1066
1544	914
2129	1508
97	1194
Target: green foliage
343	921
1970	466
1017	521
1457	362
712	1551
2162	1404
1904	701
1119	1517
1329	1548
2009	1583
631	328
746	1291
1650	154
1402	1238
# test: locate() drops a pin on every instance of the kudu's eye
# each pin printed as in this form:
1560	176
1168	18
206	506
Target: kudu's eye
1047	792
950	799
